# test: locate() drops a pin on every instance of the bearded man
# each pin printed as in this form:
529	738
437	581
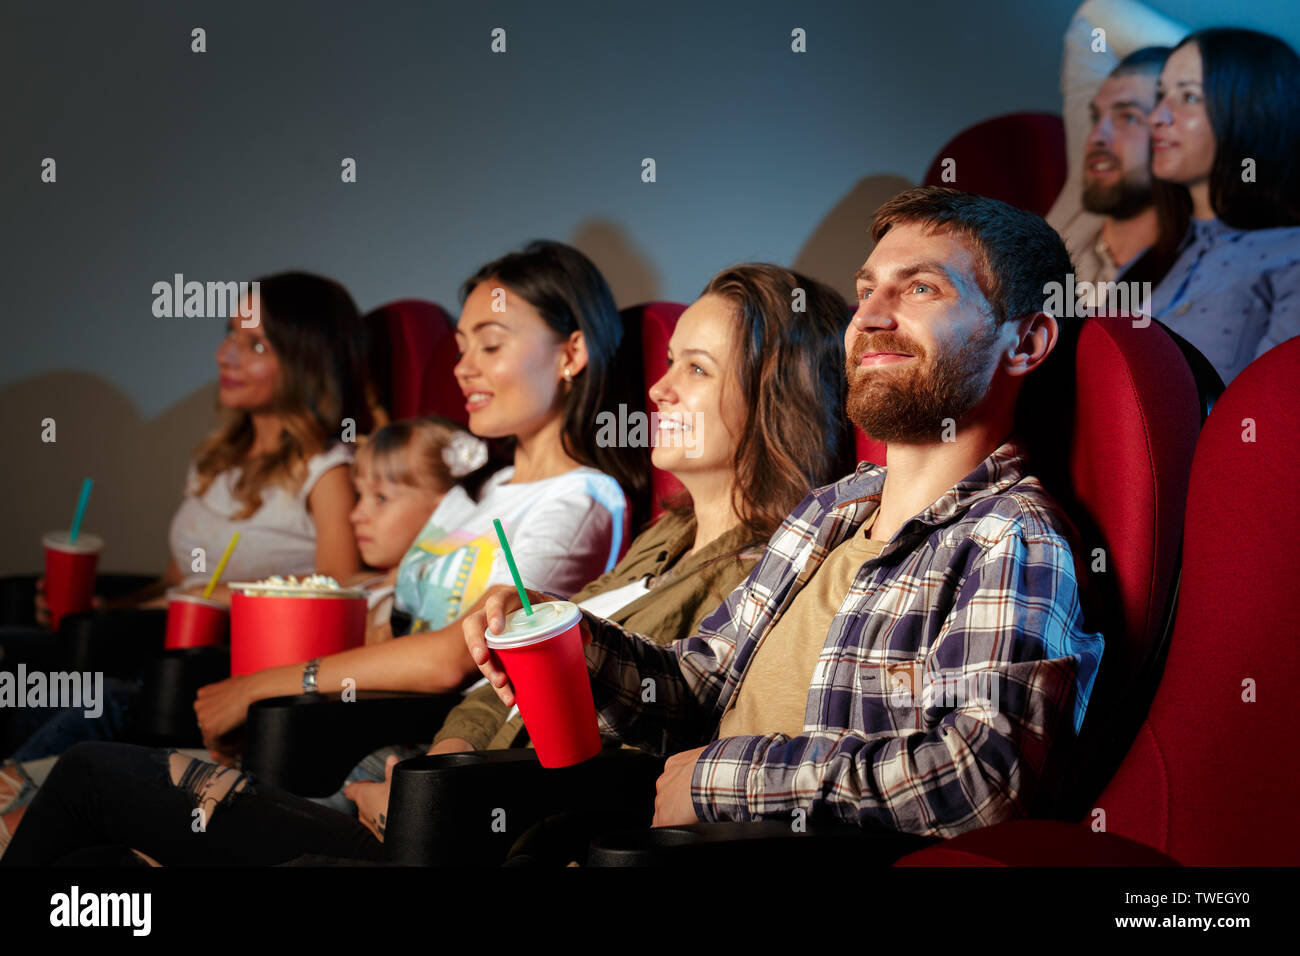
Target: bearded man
910	649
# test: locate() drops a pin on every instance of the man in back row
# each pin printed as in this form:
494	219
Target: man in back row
1114	50
910	648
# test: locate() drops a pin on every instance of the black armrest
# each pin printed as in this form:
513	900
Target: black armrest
307	743
17	592
471	808
762	843
165	714
121	643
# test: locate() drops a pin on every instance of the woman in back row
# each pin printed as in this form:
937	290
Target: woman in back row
1225	162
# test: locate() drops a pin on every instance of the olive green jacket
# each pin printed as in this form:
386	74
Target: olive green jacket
680	597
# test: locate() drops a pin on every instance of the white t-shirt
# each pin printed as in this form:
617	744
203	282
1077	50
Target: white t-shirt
278	538
563	532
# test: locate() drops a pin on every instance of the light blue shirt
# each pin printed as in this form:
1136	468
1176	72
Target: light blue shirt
1232	293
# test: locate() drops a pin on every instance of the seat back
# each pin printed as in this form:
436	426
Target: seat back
869	449
1018	158
654	322
412	354
1110	423
1208	780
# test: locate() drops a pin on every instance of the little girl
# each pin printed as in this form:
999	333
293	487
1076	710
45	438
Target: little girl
401	475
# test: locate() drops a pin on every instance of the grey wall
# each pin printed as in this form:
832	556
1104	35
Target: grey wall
225	165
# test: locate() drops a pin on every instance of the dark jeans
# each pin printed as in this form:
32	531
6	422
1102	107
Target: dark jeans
176	811
49	731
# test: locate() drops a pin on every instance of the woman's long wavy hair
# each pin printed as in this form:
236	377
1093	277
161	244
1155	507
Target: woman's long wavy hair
790	368
320	341
571	295
1252	85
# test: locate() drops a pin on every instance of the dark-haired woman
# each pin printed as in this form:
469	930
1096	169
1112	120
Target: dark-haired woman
750	419
275	470
1225	137
542	354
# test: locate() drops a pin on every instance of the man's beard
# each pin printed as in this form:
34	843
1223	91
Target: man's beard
1121	200
910	403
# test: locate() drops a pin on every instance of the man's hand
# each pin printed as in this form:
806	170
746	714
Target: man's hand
371	799
223	706
497	603
673	806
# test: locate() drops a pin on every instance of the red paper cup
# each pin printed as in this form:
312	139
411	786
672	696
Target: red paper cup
269	630
69	573
194	621
543	656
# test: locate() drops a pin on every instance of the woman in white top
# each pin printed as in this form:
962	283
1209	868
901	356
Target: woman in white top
276	470
542	354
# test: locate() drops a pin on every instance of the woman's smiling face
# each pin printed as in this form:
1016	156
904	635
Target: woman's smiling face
511	363
248	367
700	405
1182	139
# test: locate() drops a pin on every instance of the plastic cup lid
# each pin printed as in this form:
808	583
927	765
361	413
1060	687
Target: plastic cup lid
522	629
175	595
85	544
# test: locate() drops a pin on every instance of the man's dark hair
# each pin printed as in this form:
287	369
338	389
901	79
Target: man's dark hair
1016	252
1149	60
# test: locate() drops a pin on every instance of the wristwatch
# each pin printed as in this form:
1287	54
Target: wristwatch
309	676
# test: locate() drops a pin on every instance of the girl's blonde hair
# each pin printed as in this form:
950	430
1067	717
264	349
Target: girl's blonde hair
430	452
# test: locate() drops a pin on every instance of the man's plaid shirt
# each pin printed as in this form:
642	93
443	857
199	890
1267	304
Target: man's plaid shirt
957	660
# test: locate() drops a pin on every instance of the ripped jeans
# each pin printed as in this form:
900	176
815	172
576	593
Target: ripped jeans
175	810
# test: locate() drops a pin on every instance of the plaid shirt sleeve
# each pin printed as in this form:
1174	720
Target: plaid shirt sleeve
1014	626
659	698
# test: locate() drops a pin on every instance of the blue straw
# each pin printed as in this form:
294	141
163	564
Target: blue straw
81	509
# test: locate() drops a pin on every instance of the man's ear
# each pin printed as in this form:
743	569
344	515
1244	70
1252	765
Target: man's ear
575	355
1035	337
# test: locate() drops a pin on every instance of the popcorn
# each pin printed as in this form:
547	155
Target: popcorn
311	582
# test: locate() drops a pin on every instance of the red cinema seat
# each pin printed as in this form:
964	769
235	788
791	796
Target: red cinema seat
1111	423
1018	158
1208	781
412	354
654	322
868	448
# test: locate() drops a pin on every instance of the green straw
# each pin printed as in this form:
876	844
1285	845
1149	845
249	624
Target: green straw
510	560
81	509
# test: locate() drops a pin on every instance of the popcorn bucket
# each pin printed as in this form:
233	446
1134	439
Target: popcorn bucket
276	624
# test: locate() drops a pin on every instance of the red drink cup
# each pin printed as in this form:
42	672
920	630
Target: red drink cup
69	573
543	656
274	625
194	621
